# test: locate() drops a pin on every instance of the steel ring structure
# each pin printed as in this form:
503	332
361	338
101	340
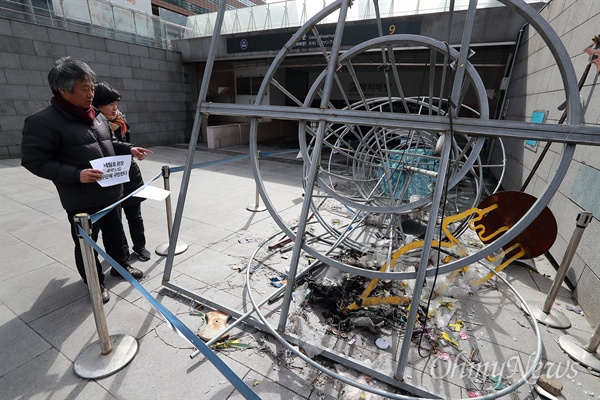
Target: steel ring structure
411	153
396	146
435	124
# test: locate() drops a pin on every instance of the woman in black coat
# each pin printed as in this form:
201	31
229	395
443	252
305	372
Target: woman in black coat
106	100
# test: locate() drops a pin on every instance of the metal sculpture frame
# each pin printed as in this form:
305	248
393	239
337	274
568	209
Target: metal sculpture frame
445	125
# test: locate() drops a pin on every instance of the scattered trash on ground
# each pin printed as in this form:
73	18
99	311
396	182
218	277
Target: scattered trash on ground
576	310
216	321
234	343
237	267
547	385
278	281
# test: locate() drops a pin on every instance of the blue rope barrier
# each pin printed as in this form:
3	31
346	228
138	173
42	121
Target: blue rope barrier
272	153
106	210
211	163
176	325
95	217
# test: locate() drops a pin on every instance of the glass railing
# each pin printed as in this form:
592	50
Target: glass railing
98	18
294	13
102	18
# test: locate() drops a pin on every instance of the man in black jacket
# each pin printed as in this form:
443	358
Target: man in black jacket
58	144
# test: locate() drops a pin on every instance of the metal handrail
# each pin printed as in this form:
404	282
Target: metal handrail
115	22
294	13
276	15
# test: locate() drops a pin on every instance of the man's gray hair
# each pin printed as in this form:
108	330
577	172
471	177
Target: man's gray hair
67	71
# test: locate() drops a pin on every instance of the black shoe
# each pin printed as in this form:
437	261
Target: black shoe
136	273
105	294
143	254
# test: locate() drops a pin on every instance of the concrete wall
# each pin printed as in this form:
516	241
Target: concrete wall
536	86
158	90
233	134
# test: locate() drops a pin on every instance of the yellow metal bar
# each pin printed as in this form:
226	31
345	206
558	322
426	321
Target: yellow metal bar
365	300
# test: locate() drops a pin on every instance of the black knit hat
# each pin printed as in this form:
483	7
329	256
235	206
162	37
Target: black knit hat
104	94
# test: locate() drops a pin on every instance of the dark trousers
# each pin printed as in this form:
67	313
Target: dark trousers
112	237
136	226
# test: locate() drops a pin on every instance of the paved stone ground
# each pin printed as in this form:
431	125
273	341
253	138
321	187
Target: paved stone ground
46	318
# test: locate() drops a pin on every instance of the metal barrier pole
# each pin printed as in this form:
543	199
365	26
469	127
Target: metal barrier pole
546	315
93	283
180	247
584	354
257	207
115	351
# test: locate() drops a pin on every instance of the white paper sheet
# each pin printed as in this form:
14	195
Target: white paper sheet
152	193
115	169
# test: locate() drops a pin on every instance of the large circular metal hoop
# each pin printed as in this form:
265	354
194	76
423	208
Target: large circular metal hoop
568	76
365	162
559	53
382	42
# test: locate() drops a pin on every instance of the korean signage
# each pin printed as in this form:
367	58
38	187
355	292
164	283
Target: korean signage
353	35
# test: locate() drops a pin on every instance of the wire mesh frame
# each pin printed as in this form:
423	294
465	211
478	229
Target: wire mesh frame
365	177
373	144
490	129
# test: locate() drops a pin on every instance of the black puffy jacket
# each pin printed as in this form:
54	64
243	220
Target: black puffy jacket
57	145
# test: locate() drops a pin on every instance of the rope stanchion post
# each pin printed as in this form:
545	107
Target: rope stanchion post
114	352
546	315
256	207
180	247
586	354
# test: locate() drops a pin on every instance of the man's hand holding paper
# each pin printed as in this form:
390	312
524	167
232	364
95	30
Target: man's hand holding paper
115	169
